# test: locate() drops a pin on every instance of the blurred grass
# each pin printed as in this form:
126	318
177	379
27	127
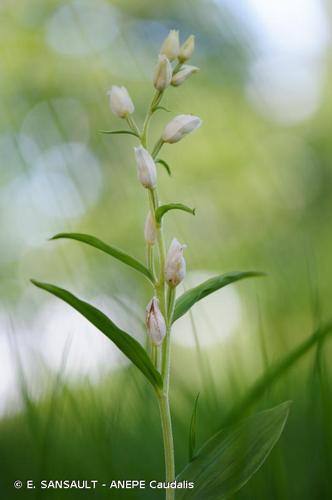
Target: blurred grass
103	433
262	193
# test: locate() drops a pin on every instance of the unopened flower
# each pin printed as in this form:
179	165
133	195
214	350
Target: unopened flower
175	269
162	75
180	126
155	322
120	101
171	46
184	73
187	49
150	229
146	168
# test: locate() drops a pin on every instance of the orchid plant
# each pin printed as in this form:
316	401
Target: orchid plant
216	470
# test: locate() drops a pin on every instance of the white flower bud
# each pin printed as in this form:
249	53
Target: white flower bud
180	126
187	49
120	101
150	229
183	74
146	168
155	322
175	269
162	75
171	46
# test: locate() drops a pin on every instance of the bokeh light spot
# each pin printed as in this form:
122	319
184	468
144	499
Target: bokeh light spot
82	27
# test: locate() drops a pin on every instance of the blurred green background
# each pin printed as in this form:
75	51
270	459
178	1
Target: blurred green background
259	174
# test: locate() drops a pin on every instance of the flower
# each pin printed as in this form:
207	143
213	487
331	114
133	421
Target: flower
162	75
120	101
146	168
150	229
180	126
187	49
155	322
171	46
175	268
184	73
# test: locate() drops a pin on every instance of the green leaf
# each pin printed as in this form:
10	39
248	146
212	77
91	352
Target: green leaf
190	297
161	108
165	164
127	344
114	252
124	131
192	431
160	212
230	458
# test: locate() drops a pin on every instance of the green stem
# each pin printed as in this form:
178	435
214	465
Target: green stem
155	101
157	148
166	425
150	260
151	348
177	68
162	352
160	285
166	361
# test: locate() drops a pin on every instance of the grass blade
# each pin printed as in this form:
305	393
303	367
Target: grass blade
113	251
192	431
274	373
127	344
190	297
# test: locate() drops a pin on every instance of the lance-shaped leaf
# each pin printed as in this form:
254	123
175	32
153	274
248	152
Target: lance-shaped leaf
124	131
160	212
190	297
164	164
113	251
230	458
127	344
